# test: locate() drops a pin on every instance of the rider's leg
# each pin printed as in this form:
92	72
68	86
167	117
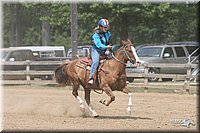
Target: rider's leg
95	62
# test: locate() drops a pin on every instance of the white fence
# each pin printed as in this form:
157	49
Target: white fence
184	86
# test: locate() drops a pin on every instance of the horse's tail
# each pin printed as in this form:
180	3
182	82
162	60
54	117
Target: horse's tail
60	75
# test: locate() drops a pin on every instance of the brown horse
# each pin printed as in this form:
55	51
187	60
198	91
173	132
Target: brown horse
110	76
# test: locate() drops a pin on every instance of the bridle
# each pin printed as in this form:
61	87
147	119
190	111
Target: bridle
124	51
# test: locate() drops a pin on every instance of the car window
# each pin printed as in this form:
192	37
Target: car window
26	55
149	52
82	52
3	54
190	49
47	54
169	51
180	51
16	55
59	53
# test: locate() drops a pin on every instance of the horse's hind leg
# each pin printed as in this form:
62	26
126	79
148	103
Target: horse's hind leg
75	93
87	99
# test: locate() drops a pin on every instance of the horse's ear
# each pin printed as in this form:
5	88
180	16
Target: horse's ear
122	42
131	42
128	40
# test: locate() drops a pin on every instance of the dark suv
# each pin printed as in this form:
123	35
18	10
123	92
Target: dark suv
176	52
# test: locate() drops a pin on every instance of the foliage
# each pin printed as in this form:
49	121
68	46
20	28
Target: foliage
141	22
32	36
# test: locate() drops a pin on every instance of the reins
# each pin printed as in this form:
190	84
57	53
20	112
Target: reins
120	60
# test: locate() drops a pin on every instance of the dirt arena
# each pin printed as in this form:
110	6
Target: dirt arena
46	108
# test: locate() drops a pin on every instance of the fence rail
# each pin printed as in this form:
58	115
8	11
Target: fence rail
186	85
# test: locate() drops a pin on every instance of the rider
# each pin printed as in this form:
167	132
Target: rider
101	45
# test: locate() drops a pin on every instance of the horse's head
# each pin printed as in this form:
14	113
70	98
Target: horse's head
129	56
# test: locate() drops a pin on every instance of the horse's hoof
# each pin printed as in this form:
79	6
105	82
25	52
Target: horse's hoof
128	111
96	116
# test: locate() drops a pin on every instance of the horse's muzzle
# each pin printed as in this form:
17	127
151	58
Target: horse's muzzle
132	60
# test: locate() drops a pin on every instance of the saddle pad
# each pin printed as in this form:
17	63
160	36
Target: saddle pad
87	61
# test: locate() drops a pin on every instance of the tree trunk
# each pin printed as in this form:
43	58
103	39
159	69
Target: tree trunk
74	30
12	26
46	37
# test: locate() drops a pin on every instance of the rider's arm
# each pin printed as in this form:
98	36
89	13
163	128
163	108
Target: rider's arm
109	36
97	42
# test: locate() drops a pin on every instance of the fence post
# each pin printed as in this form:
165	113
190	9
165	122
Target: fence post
187	81
146	70
28	78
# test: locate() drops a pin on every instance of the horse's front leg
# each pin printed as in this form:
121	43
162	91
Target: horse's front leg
108	91
87	99
129	108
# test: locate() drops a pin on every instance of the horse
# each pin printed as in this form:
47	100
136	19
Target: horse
110	76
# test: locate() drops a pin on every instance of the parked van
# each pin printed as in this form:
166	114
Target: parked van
174	53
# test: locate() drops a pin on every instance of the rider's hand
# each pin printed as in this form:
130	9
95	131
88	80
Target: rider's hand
109	46
107	52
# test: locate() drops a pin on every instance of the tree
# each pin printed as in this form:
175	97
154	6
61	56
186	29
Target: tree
142	23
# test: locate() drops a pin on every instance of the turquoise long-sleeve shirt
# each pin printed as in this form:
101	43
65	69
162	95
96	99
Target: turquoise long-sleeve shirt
100	42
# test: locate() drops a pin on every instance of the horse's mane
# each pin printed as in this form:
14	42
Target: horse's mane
115	47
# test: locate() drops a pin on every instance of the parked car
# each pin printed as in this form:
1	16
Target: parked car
12	55
175	53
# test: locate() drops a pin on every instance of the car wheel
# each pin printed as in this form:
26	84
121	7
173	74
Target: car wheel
130	79
153	79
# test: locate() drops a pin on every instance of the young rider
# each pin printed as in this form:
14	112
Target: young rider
101	44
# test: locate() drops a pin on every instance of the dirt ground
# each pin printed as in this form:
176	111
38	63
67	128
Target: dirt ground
46	108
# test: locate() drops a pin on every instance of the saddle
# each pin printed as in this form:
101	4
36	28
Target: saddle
86	64
88	60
